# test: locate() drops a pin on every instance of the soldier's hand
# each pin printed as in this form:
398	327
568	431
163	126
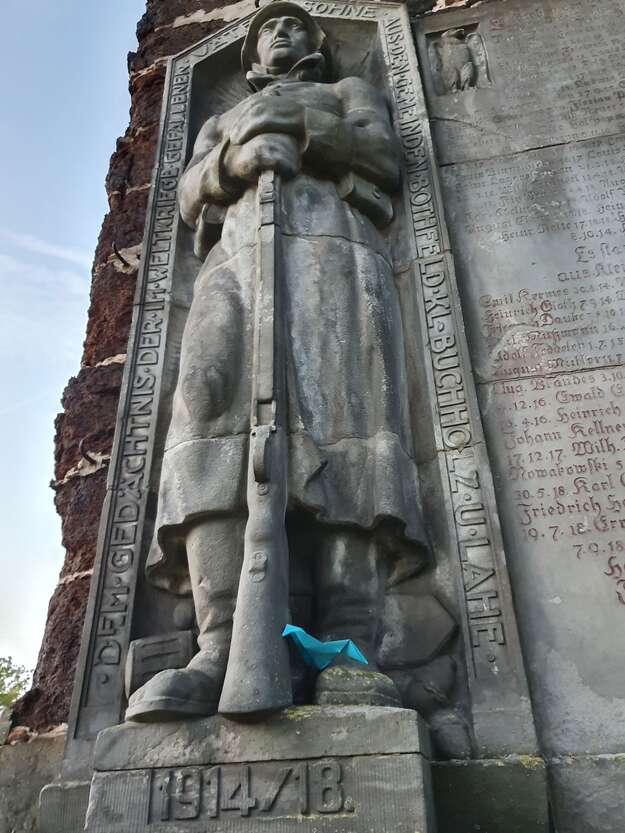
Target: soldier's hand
269	114
271	151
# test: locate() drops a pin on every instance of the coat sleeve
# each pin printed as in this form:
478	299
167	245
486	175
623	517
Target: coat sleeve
204	181
375	154
362	141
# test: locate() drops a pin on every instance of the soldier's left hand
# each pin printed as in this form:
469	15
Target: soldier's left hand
269	114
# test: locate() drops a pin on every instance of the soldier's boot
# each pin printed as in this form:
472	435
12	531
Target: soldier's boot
215	555
349	590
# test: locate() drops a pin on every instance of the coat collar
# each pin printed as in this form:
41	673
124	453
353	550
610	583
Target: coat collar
309	68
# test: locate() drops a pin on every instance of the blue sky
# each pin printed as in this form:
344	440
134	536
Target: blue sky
65	100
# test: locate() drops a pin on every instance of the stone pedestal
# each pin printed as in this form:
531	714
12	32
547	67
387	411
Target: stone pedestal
306	769
500	795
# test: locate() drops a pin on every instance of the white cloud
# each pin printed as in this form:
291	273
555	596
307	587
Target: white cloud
43	308
34	244
19	276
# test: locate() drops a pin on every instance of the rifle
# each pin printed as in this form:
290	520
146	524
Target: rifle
258	677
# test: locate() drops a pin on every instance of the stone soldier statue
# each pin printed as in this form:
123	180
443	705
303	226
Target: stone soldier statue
352	480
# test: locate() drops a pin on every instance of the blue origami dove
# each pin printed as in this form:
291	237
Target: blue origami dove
320	654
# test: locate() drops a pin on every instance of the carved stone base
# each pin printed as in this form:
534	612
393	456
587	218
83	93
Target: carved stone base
334	769
62	807
588	793
501	795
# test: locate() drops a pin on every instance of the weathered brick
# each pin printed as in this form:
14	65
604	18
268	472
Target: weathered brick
123	225
47	703
164	42
79	503
90	408
146	92
162	14
110	313
132	163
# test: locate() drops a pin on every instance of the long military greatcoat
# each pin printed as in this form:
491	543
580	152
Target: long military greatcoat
350	438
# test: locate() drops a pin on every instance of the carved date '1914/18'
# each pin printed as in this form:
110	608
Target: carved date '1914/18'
292	790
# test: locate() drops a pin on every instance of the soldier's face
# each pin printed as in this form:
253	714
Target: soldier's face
282	42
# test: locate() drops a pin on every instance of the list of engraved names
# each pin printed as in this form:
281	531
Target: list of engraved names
561	460
540	244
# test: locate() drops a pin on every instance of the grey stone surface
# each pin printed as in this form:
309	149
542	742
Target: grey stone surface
538	235
540	73
539	243
415	629
98	699
463	665
319	731
540	249
24	769
5	723
315	769
63	807
386	794
147	656
588	793
457	61
506	795
318	363
477	677
562	495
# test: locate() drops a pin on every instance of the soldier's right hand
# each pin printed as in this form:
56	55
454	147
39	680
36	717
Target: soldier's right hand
269	151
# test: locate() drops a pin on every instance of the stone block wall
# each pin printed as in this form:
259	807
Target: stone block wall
85	428
26	765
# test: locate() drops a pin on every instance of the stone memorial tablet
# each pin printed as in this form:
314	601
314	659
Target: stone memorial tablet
535	73
539	240
559	448
540	251
528	124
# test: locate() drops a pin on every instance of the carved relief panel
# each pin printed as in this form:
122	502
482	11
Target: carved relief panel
448	634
